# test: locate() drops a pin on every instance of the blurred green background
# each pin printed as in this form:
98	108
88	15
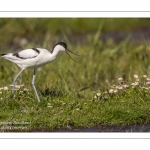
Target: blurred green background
36	29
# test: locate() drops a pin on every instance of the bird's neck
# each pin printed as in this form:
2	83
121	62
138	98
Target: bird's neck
55	52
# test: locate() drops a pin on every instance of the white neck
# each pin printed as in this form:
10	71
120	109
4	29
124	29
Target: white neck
56	51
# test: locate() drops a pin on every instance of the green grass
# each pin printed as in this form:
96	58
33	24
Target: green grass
66	88
131	107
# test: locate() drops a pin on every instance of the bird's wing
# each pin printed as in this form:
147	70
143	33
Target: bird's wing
27	54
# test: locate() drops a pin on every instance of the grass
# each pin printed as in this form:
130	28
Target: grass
66	88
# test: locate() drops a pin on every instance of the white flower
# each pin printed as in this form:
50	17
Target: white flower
4	88
144	76
137	80
63	103
115	91
148	79
147	83
17	87
49	106
95	97
98	94
25	89
136	76
117	87
136	83
133	84
146	88
111	91
125	86
114	86
120	79
120	88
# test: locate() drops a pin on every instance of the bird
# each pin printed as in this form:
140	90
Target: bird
34	58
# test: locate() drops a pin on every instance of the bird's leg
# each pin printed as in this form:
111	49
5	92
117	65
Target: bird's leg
34	85
15	79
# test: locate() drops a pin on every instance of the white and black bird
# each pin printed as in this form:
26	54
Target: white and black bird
34	58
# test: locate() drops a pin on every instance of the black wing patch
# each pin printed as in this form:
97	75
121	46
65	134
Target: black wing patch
23	54
35	49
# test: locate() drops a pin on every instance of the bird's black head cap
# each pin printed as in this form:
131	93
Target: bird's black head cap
60	43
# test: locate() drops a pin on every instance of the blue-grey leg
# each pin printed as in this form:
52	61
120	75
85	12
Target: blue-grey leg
34	85
15	79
